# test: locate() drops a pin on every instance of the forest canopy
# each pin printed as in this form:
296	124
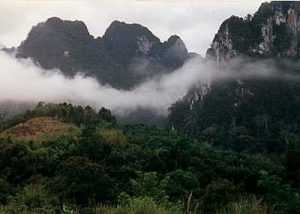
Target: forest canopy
103	167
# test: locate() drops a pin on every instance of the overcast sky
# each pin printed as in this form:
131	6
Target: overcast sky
194	21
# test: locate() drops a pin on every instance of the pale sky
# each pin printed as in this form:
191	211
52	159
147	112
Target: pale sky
195	21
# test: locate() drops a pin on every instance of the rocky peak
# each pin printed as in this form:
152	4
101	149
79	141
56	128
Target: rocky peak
177	45
59	24
174	39
54	43
123	57
125	41
175	51
118	30
273	31
59	29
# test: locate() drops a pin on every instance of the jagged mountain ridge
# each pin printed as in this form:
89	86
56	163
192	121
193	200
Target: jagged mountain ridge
273	31
123	57
257	111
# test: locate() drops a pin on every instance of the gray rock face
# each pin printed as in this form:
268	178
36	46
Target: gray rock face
273	31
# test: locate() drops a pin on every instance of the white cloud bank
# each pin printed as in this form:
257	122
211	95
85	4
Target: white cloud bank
22	81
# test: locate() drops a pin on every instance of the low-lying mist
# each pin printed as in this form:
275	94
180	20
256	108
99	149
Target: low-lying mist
23	81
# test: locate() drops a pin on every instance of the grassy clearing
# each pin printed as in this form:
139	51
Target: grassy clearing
36	128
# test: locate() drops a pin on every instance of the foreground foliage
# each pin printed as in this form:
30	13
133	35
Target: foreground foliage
108	168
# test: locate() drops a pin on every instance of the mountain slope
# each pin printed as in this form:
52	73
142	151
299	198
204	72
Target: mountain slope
256	106
273	31
123	57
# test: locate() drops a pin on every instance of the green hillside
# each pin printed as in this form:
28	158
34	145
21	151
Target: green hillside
104	167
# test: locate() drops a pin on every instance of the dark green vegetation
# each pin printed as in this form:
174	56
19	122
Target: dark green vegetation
255	115
256	109
108	168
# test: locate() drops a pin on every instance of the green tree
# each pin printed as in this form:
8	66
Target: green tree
82	180
105	116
